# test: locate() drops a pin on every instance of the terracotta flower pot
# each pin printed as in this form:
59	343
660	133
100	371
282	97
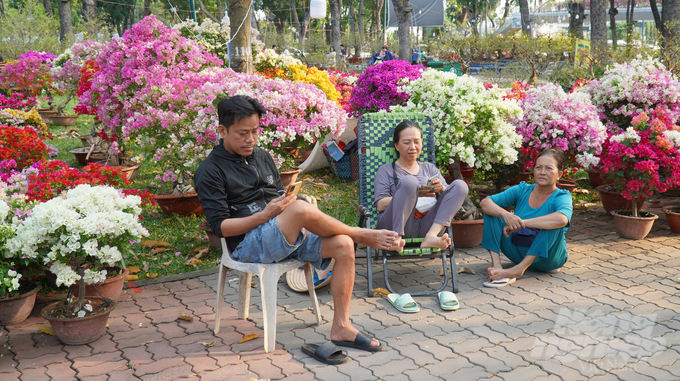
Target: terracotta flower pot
16	309
467	233
612	200
595	178
673	218
567	185
486	192
524	176
78	331
63	120
46	115
81	155
631	227
129	171
289	177
184	205
111	288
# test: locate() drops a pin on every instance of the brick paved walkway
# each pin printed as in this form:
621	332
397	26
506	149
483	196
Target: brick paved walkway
611	314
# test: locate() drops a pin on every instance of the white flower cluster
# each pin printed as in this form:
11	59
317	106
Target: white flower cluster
673	136
278	60
210	35
4	209
470	122
13	280
89	223
630	135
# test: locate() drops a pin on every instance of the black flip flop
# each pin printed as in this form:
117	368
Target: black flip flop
362	342
328	353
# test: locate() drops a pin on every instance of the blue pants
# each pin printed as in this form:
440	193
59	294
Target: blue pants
549	246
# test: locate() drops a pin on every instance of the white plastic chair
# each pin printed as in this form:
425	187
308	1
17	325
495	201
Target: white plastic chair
269	275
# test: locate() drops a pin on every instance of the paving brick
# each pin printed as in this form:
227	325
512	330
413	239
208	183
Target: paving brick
122	375
161	350
201	362
177	372
228	373
97	359
158	366
101	377
33	352
102	368
136	355
34	374
42	361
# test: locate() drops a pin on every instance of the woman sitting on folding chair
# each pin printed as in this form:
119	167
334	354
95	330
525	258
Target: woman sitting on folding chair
533	236
399	185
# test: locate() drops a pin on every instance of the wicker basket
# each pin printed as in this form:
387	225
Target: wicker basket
347	168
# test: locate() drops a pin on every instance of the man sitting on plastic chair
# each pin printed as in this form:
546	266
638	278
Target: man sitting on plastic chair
244	201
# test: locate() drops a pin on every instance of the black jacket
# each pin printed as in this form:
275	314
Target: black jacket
233	186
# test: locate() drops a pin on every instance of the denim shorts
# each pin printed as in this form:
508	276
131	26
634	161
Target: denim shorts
266	244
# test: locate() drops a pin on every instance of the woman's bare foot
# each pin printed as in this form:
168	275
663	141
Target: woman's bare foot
500	273
349	334
379	239
431	241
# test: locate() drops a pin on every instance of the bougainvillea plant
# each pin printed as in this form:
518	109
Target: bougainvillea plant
29	74
55	176
378	87
23	145
645	158
631	88
17	101
67	69
555	119
344	83
145	89
471	123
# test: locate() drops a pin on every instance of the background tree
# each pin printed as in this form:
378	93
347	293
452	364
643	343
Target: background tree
524	14
670	18
612	22
403	8
335	8
65	24
89	10
598	28
577	13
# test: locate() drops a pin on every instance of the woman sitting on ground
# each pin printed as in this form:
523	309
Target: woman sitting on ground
398	186
540	206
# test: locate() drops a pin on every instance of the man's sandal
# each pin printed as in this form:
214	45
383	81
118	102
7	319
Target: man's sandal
362	342
328	353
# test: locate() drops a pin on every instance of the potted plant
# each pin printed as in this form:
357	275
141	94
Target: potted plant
627	89
640	161
568	121
157	72
17	292
471	123
66	74
28	75
82	231
378	87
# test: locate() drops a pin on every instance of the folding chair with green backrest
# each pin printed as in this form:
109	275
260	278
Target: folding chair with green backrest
375	149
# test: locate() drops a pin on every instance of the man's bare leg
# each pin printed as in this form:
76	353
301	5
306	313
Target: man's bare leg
432	238
497	272
341	248
300	215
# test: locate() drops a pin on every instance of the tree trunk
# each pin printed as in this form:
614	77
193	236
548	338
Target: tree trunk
657	16
47	5
335	6
241	57
90	10
357	45
379	5
147	7
670	18
207	13
524	12
403	8
598	28
303	31
65	25
612	23
630	10
576	11
506	12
